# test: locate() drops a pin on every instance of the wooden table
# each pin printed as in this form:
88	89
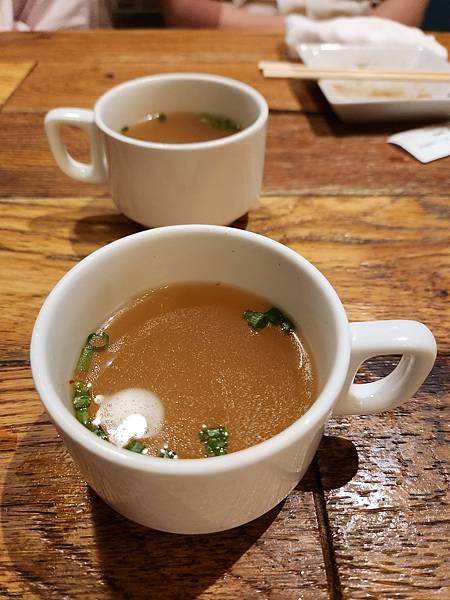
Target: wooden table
370	520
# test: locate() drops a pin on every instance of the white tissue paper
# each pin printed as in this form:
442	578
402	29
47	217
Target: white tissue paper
370	31
426	144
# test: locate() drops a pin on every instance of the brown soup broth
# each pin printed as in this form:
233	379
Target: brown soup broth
189	344
181	128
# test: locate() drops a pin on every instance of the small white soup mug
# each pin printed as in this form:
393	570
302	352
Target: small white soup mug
212	494
159	184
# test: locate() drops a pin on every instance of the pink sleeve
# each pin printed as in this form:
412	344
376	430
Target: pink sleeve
8	17
48	15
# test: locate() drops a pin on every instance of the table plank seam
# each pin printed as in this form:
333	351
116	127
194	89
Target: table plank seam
345	194
326	537
15	362
11	94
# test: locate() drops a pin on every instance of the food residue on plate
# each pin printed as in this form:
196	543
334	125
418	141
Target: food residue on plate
381	90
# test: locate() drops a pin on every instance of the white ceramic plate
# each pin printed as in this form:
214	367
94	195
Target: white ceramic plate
355	101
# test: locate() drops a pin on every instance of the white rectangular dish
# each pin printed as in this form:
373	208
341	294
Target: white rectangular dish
359	101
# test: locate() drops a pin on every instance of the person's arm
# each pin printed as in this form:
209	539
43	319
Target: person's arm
408	12
191	13
223	15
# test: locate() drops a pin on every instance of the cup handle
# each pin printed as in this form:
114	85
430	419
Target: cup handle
413	340
94	172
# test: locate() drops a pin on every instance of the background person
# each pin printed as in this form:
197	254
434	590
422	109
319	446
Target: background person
269	15
49	15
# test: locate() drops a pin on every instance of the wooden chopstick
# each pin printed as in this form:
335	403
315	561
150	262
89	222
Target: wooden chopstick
298	71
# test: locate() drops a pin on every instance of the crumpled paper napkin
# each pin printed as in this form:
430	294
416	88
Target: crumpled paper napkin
366	31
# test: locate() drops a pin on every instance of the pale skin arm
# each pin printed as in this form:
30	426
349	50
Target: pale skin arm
408	12
223	15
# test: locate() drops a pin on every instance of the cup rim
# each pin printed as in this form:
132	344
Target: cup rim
66	421
190	76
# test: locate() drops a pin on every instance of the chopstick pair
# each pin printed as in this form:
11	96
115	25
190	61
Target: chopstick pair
297	71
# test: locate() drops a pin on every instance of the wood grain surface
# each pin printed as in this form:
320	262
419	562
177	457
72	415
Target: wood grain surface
162	46
311	155
86	82
11	76
371	517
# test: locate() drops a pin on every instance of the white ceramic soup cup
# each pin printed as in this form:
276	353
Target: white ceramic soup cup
213	494
159	184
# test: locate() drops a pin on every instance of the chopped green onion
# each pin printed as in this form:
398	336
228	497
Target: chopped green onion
165	452
216	122
99	340
81	400
256	320
99	431
259	320
124	129
287	325
276	317
85	359
215	440
83	417
79	387
135	446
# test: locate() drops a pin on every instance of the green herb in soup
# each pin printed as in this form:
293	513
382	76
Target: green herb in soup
220	123
95	342
177	359
165	452
215	440
137	446
181	128
259	320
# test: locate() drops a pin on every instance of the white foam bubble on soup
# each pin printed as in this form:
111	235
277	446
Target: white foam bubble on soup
129	414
